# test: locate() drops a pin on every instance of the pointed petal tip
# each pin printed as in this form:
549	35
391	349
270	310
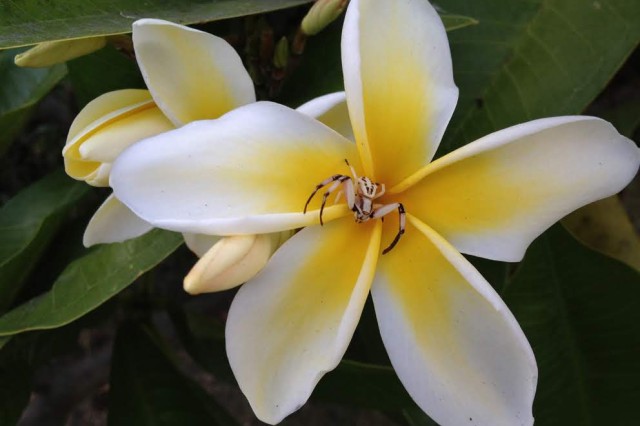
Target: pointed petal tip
192	75
113	222
456	347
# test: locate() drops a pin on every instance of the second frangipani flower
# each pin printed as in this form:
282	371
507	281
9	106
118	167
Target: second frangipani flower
452	341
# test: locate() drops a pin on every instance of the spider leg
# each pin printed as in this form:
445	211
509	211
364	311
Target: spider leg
350	194
383	189
353	171
402	221
338	196
325	182
333	187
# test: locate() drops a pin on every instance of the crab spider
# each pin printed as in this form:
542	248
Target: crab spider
360	193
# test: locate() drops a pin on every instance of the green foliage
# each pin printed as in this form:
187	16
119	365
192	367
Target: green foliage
21	89
28	222
90	281
147	387
580	311
534	59
24	22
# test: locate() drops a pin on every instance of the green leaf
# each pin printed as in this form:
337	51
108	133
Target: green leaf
4	341
24	22
90	281
20	90
580	311
102	72
534	59
147	388
28	222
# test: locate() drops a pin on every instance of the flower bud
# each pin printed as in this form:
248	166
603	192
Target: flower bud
321	14
50	53
104	128
281	55
232	261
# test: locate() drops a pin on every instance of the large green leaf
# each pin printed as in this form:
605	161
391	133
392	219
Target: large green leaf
581	312
20	90
24	22
28	222
148	389
90	281
535	58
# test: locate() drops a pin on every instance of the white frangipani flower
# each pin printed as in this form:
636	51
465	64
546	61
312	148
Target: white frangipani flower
453	342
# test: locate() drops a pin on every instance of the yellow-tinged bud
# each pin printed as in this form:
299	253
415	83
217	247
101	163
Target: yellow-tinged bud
106	127
281	55
232	261
54	52
321	14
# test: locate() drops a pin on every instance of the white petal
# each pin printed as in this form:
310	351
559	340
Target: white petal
399	82
249	172
191	74
491	198
453	343
293	322
331	110
113	222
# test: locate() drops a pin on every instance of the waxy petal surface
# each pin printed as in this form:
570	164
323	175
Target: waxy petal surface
105	127
192	75
248	172
399	83
331	110
293	321
113	222
106	104
454	344
494	196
